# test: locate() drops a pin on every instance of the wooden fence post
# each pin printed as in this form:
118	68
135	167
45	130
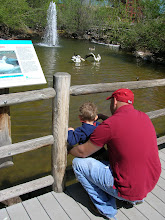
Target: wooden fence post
60	111
5	131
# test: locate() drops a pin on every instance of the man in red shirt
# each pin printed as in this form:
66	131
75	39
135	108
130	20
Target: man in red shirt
134	166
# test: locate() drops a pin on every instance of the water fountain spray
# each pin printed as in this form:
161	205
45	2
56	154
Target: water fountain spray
50	36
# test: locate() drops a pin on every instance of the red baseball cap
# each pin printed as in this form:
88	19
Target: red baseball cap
123	95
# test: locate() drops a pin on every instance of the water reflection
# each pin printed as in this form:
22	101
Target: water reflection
48	59
78	65
92	67
96	65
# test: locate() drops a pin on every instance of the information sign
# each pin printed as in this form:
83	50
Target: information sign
19	64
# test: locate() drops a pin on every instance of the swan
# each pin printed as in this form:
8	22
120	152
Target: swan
3	60
92	48
98	58
12	61
77	59
5	66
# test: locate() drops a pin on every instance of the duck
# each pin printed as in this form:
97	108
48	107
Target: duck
98	58
92	48
4	67
77	59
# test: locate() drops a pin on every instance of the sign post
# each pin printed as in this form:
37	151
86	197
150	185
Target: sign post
5	131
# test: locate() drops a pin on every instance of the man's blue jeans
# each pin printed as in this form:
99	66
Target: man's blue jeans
97	179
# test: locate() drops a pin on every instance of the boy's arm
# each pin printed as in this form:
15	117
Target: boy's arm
74	136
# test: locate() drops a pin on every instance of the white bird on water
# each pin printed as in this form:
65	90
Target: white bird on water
77	59
98	58
92	48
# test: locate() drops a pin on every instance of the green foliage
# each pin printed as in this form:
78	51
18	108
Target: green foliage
145	36
151	9
12	13
38	3
35	17
19	15
74	16
149	32
101	16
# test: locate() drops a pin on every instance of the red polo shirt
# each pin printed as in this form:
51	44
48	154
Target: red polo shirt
133	152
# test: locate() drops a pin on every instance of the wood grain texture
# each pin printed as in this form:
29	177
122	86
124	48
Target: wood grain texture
156	113
26	188
25	146
20	97
161	140
5	131
110	87
17	212
60	111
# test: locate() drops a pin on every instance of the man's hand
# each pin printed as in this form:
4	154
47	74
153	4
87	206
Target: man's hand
103	117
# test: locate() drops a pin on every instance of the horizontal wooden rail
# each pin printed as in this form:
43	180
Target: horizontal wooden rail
161	140
156	113
28	96
110	87
25	146
26	188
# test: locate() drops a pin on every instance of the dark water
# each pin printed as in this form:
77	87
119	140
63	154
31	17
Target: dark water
33	119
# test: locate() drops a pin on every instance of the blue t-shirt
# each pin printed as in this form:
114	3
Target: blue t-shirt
81	134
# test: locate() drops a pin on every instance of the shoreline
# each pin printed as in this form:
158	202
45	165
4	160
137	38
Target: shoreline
145	55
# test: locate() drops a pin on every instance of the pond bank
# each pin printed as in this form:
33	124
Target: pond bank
104	36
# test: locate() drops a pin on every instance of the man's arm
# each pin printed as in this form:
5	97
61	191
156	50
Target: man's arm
103	117
84	150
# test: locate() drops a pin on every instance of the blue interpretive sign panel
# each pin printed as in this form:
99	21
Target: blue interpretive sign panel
19	64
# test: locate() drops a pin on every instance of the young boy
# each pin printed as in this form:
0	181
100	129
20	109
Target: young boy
88	116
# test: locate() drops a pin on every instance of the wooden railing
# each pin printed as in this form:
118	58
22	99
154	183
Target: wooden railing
60	95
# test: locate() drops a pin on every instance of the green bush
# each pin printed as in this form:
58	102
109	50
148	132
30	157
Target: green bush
18	15
13	13
74	16
145	35
152	9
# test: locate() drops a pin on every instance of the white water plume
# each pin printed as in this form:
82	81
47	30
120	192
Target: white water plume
51	36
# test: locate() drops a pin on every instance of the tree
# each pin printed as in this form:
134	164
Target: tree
18	15
74	16
13	13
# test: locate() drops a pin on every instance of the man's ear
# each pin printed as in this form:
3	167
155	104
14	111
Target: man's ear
115	101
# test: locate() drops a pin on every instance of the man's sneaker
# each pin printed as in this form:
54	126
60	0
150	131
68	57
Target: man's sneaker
139	202
93	207
96	211
136	202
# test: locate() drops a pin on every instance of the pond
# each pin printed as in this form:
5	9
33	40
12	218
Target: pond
33	119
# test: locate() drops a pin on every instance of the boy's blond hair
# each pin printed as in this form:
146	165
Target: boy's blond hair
88	111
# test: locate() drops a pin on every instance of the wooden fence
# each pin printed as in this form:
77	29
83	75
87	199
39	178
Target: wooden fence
60	95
